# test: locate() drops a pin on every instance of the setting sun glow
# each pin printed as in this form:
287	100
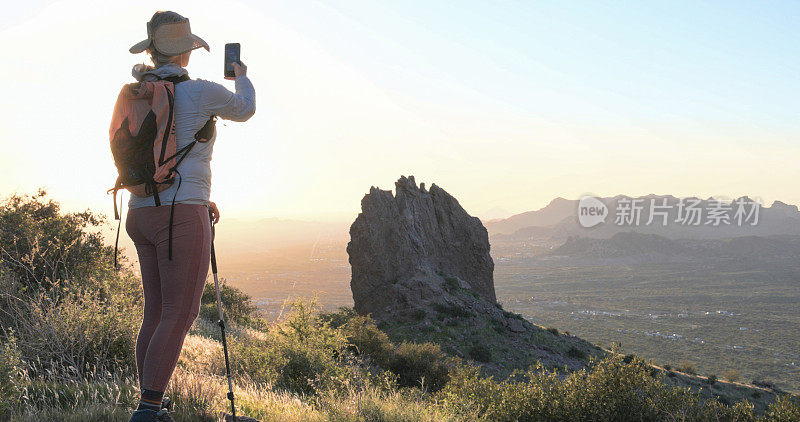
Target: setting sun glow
507	107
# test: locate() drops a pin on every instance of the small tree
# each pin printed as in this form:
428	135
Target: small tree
732	375
39	246
687	367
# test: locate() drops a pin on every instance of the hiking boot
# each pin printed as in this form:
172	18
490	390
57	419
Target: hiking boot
166	403
151	416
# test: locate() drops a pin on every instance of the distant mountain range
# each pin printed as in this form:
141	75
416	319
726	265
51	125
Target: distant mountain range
655	247
714	220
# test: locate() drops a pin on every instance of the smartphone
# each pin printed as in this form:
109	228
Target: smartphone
232	55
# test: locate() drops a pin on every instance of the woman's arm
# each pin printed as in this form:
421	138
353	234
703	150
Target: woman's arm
238	106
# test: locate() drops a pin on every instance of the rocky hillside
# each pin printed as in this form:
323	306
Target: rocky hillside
421	267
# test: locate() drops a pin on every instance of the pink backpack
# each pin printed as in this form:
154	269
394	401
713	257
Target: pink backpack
142	136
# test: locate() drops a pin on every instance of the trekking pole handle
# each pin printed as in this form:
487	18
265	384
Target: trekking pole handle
213	235
214	269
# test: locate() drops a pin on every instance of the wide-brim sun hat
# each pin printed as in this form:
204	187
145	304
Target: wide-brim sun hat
170	39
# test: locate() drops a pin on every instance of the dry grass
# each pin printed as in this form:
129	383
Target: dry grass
198	388
202	355
381	405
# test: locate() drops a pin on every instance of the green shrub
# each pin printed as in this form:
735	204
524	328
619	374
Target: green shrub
236	305
419	314
610	390
84	332
480	352
711	379
451	283
410	362
39	246
764	384
338	318
687	367
418	364
628	358
498	325
576	353
783	409
59	292
301	354
452	311
552	330
367	340
732	375
508	314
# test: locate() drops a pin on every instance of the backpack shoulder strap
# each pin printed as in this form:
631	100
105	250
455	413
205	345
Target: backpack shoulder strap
177	79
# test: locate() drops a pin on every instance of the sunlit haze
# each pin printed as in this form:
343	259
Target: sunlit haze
504	104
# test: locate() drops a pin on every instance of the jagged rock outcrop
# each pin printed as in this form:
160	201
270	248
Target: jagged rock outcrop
404	246
421	267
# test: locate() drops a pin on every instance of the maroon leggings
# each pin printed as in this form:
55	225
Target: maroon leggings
172	288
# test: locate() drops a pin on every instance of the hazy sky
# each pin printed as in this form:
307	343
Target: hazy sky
504	104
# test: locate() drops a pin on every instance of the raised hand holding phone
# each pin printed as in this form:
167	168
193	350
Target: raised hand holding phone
233	61
239	69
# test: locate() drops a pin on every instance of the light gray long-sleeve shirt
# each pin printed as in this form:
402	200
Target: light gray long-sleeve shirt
195	101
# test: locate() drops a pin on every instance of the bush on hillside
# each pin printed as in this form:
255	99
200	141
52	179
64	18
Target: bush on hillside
480	352
687	367
237	306
577	353
338	318
783	409
365	339
81	332
419	365
300	354
764	384
451	283
453	311
39	246
418	314
732	375
415	365
610	390
59	294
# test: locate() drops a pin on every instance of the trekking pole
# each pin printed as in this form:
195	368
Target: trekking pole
221	321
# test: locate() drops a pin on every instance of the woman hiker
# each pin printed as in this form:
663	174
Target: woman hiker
173	287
